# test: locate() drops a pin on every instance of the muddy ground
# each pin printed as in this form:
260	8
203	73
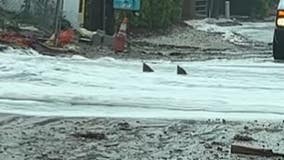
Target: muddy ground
57	138
182	43
54	138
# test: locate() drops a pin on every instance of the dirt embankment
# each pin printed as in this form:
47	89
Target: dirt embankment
184	43
188	43
111	139
181	43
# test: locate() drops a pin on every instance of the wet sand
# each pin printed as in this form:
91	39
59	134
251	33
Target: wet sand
58	138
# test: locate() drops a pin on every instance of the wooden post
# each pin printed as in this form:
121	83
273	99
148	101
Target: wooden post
250	150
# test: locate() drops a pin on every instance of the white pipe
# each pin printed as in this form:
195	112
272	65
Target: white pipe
227	10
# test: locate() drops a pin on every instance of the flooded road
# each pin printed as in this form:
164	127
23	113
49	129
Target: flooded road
238	34
47	86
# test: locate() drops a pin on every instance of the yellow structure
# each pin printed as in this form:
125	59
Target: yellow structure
82	10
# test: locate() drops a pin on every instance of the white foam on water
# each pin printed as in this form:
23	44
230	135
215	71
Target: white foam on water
252	31
106	87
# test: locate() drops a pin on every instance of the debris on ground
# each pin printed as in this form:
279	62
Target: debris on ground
90	135
13	38
84	33
65	37
251	150
116	138
180	43
244	138
124	126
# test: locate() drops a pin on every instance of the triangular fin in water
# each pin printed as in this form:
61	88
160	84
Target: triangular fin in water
147	68
181	71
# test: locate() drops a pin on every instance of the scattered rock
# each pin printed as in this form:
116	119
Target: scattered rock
2	48
229	23
47	121
219	149
273	130
178	151
151	140
124	126
208	146
243	138
174	54
112	145
216	156
91	135
218	143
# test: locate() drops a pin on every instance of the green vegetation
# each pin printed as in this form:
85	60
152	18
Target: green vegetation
262	8
157	14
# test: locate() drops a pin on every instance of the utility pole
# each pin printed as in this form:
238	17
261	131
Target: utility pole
211	8
45	12
104	16
58	20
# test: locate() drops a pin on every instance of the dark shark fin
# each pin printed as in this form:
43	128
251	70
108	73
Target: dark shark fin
147	68
181	71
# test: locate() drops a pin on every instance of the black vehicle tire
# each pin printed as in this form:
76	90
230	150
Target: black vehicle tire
278	50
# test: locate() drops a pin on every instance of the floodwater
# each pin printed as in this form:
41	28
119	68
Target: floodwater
246	31
32	84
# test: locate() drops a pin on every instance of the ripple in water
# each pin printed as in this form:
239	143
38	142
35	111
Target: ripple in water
33	84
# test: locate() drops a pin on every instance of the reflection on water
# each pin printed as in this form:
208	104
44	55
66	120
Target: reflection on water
48	86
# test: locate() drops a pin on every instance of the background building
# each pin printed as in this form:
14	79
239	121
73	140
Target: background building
216	8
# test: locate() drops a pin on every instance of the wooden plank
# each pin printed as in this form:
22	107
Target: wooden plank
250	150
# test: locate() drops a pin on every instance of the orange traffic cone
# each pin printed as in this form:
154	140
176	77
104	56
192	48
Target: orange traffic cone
123	27
120	38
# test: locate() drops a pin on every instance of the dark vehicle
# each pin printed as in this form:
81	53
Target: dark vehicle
278	41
